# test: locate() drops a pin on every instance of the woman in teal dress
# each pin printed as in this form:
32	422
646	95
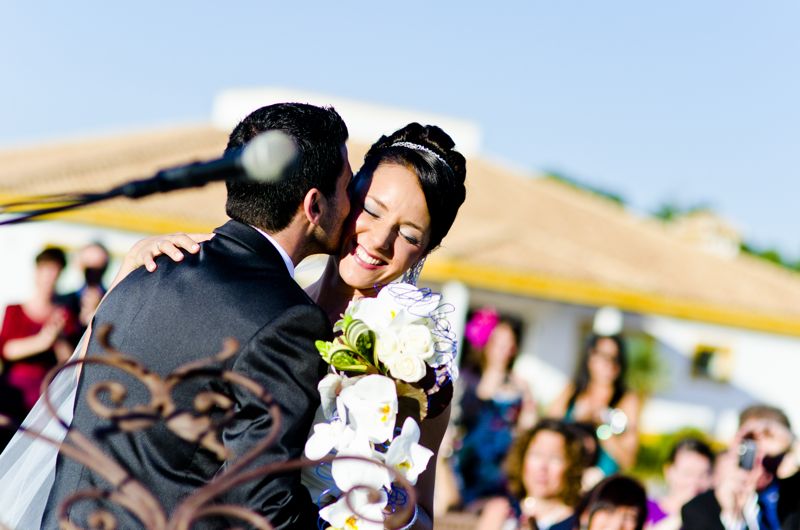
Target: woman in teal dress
598	394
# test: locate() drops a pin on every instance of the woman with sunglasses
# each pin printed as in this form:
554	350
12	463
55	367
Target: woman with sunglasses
598	394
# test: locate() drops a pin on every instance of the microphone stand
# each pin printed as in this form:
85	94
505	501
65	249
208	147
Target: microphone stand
181	177
79	201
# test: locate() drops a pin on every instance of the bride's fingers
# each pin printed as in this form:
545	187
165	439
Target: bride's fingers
172	244
147	250
170	248
148	258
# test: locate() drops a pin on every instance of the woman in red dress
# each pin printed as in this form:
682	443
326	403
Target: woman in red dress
35	334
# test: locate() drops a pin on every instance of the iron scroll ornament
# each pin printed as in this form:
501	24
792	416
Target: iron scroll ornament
194	426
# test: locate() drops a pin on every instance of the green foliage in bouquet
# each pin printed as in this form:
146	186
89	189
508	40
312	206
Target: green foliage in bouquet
353	350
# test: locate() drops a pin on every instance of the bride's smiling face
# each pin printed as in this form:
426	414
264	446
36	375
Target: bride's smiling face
389	228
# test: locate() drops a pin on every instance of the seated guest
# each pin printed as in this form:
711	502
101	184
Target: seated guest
544	468
615	503
687	473
747	490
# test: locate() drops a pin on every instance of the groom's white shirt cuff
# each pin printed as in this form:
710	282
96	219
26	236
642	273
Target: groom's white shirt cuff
286	259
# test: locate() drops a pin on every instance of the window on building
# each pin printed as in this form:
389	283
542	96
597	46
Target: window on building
712	362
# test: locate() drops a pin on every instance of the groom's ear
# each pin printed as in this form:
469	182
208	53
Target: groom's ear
313	206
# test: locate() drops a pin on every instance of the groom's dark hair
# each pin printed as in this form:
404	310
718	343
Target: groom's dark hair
319	133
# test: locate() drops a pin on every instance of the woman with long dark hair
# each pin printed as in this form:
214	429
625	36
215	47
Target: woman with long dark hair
598	394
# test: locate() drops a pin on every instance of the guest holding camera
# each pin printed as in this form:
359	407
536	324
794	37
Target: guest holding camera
93	260
748	494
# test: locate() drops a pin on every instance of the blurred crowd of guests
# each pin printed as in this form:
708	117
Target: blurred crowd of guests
510	461
42	331
516	464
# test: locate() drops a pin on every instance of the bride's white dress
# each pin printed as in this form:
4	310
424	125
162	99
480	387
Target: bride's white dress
27	465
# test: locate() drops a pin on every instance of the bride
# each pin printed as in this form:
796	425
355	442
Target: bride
403	202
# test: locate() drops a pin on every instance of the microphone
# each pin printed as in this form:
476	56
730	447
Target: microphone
266	158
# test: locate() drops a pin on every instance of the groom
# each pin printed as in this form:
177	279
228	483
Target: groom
239	285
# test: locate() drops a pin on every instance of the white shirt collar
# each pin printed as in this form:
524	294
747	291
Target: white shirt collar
286	259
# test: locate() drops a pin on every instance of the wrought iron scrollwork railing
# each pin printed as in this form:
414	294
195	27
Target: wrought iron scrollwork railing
201	425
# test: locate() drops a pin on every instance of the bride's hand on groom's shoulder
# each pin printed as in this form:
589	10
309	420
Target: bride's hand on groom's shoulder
145	251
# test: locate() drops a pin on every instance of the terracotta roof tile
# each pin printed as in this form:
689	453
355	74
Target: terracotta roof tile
510	222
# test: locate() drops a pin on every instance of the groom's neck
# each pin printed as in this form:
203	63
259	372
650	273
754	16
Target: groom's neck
290	245
296	240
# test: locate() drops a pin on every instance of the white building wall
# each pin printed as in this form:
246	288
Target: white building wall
765	367
20	244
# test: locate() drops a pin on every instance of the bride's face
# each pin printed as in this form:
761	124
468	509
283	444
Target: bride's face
389	228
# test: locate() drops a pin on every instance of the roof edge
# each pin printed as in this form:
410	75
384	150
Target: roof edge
587	293
109	217
508	281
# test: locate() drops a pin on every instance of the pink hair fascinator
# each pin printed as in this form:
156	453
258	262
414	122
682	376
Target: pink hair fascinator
480	326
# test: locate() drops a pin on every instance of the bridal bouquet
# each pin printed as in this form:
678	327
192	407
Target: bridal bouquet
385	348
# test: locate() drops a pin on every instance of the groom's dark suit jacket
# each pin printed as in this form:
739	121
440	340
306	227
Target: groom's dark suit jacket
236	286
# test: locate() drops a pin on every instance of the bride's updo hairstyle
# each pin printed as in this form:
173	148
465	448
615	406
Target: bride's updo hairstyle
429	152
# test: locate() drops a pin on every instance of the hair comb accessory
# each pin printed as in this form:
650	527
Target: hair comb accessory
417	147
480	326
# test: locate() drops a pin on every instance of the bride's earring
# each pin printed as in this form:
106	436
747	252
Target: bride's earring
412	274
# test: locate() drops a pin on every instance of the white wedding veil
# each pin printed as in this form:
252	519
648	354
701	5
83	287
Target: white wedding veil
28	463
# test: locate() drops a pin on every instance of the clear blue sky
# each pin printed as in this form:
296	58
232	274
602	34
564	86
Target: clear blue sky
690	101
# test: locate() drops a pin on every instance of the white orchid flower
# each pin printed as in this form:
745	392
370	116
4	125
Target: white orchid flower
350	473
383	312
416	340
406	455
327	437
365	514
329	389
371	405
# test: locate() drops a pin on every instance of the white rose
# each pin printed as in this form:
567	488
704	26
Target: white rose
407	368
387	346
417	341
